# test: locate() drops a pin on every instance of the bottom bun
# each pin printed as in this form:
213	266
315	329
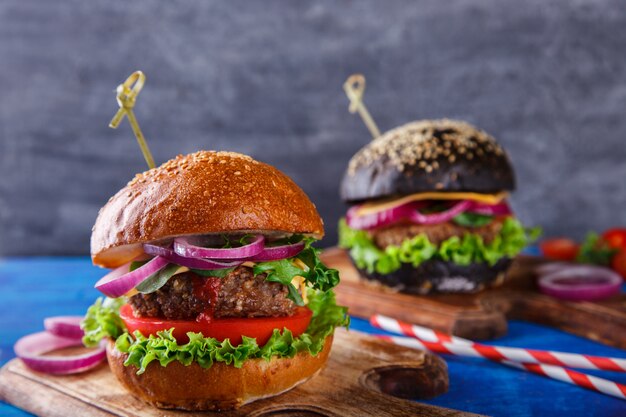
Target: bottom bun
220	387
436	276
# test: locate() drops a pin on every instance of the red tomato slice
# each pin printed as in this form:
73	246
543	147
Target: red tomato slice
619	263
260	328
615	238
560	249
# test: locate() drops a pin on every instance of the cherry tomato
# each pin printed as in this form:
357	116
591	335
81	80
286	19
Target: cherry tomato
260	328
561	249
619	263
615	238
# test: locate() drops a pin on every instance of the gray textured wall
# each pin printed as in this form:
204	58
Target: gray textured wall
264	78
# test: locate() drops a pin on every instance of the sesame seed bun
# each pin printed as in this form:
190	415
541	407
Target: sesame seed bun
201	193
220	387
428	155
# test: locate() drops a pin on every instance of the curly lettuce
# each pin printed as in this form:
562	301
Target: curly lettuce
510	241
310	267
102	320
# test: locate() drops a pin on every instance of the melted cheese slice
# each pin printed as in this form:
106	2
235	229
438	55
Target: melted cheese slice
299	282
375	207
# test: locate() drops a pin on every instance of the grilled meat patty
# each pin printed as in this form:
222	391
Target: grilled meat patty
436	233
239	294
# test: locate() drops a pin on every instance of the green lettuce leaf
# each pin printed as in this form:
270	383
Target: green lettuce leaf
470	248
103	321
218	273
472	219
595	251
155	281
318	275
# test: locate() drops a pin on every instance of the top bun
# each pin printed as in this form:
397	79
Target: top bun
201	193
428	155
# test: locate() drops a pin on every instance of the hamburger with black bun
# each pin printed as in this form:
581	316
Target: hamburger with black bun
428	209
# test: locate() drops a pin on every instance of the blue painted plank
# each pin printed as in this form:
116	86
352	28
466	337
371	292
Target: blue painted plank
34	288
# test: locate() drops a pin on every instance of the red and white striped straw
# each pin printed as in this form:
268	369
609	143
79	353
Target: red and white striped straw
580	379
460	346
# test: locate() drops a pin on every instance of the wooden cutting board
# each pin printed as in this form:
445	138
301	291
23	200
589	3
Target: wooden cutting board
483	315
364	376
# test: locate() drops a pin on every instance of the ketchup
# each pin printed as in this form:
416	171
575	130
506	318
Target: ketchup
206	289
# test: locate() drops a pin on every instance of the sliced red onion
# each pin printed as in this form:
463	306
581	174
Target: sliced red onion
500	209
443	216
381	218
193	263
581	283
183	246
64	326
408	211
274	253
551	267
30	348
119	281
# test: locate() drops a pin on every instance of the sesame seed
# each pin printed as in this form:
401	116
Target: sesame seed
411	144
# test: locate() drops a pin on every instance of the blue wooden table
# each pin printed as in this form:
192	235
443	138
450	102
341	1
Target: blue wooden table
34	288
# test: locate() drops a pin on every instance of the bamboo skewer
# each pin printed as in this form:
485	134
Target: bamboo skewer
354	88
126	98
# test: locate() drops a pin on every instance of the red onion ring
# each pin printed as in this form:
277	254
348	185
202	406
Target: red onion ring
64	326
382	218
551	267
193	263
273	253
500	209
442	217
581	283
409	211
29	349
185	248
119	281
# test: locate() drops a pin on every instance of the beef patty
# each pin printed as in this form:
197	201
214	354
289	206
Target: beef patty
239	294
436	233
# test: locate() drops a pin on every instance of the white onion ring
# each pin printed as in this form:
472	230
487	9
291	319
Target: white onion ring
184	247
119	281
30	348
64	326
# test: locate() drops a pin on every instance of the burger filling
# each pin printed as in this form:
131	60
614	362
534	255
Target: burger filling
396	234
267	299
240	293
463	232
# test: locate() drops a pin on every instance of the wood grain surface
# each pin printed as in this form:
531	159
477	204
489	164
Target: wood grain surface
360	370
483	315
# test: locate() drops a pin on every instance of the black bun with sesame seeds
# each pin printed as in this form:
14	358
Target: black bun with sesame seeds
428	155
